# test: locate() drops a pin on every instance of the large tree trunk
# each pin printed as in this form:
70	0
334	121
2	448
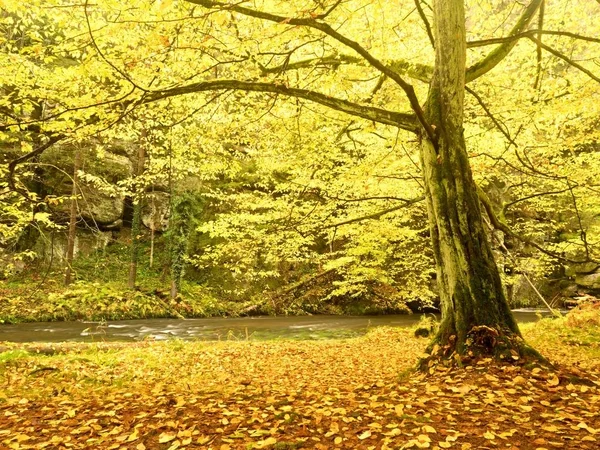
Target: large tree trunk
474	307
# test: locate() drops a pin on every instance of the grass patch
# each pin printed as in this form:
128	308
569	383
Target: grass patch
13	355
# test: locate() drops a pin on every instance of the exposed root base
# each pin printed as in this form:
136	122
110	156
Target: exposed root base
482	343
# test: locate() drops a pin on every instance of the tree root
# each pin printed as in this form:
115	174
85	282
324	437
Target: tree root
483	343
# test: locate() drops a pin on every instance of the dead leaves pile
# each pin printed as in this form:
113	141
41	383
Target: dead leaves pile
285	395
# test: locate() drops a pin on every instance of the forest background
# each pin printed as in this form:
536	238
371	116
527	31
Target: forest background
120	201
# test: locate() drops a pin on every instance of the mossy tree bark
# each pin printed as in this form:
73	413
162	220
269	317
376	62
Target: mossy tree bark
469	282
181	227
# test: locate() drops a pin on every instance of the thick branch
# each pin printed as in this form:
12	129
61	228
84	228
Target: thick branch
376	215
416	71
327	61
32	154
328	30
499	53
401	120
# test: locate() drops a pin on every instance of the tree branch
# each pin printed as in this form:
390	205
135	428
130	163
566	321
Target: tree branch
491	116
522	199
32	154
514	37
405	121
538	75
500	225
425	21
565	58
376	215
331	60
328	30
499	53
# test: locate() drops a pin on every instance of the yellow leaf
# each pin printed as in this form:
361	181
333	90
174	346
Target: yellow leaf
140	447
133	436
444	444
554	381
519	380
365	435
489	435
429	429
26	146
166	437
338	440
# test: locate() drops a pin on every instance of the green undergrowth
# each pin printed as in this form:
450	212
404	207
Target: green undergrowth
107	301
100	293
579	328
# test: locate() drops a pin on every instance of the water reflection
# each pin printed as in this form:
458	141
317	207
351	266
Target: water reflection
258	328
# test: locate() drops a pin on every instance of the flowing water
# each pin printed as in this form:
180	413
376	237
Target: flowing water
212	329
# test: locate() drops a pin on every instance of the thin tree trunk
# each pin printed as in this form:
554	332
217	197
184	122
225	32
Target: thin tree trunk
174	289
72	219
136	225
152	219
473	301
151	263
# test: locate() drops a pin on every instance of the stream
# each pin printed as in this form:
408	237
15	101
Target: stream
213	329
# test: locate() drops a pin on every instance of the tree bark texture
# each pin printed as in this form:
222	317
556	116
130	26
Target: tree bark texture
468	278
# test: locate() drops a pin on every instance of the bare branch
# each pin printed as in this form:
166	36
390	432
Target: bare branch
405	121
492	41
425	22
565	58
329	11
539	194
490	115
101	54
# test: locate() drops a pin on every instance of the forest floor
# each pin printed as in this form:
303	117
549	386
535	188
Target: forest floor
350	393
